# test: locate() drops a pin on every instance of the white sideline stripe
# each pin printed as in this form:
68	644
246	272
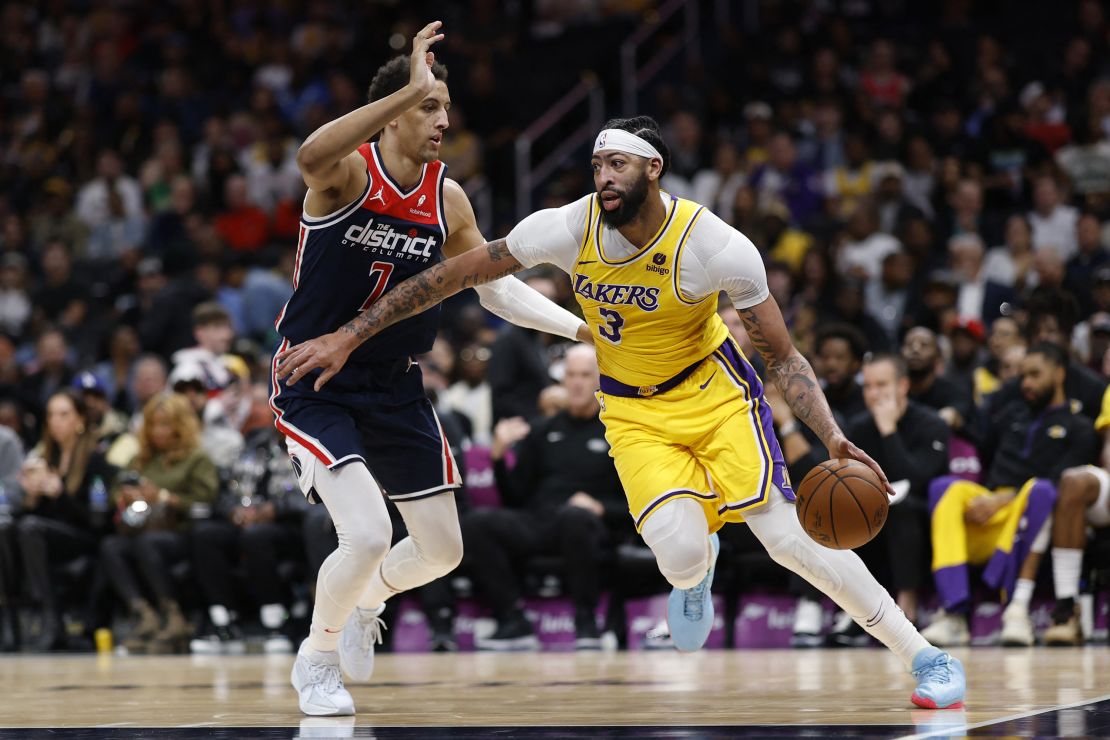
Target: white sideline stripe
962	729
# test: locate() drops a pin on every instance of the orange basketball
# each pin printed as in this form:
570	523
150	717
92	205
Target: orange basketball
841	504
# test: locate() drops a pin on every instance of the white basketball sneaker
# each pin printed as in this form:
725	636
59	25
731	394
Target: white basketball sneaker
356	645
317	679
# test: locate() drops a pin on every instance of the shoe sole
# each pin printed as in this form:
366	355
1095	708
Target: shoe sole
930	704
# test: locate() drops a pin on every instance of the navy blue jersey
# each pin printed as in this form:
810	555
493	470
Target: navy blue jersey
347	260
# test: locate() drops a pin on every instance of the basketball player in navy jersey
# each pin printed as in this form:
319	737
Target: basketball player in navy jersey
376	214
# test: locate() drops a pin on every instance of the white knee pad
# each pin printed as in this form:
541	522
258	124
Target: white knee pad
433	525
357	509
678	535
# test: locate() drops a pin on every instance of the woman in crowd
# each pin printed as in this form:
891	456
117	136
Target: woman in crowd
171	481
65	510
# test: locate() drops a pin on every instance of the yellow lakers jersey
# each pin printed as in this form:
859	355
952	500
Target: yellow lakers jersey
645	329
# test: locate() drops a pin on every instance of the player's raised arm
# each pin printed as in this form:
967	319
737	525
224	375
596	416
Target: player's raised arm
327	157
423	290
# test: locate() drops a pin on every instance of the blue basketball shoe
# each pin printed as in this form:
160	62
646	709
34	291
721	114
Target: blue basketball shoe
941	683
690	611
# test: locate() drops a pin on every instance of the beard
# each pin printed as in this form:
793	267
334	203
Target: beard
631	202
1041	400
919	373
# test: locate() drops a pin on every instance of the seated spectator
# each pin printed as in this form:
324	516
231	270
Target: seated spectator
1082	501
863	246
851	183
108	424
784	244
258	523
470	394
977	298
1052	220
15	300
965	337
910	443
1052	316
563	498
888	296
1011	263
51	371
214	334
1004	334
785	178
921	352
1003	524
242	225
11	461
169	483
1089	257
65	511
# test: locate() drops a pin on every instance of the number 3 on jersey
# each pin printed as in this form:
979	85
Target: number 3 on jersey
379	273
614	321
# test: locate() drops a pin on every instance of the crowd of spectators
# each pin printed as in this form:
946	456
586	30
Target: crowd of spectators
930	192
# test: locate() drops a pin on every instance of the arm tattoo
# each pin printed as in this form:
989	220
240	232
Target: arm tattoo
427	288
794	377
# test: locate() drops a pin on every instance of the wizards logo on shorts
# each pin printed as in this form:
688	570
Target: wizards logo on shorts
617	295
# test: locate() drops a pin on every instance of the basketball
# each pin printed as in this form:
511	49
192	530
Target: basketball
841	504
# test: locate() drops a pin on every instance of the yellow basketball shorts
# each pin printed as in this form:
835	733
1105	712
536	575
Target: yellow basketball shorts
710	439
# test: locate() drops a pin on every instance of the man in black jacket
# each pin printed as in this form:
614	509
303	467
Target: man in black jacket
1003	523
910	442
928	387
562	497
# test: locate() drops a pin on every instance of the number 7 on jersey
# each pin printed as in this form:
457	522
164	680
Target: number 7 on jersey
379	273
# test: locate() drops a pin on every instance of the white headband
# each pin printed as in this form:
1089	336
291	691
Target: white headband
618	140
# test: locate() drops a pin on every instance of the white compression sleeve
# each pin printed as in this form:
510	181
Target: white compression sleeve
839	574
519	304
362	523
433	549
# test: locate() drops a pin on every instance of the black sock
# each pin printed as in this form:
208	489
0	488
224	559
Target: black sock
1063	611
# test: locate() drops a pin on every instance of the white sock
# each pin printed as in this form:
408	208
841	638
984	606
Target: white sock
1067	565
1023	592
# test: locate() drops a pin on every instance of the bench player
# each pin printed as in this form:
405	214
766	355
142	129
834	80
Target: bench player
376	214
690	433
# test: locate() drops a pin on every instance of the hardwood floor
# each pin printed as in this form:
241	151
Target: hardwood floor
804	690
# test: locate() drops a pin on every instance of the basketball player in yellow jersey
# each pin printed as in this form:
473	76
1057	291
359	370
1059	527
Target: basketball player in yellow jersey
684	412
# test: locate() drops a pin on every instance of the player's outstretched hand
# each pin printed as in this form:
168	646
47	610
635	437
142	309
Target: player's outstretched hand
420	72
842	447
327	352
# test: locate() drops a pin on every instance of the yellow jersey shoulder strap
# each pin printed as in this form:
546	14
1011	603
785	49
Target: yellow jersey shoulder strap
691	213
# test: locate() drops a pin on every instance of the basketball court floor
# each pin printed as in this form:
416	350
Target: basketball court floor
715	693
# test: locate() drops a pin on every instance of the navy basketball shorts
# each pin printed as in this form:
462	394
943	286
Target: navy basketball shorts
376	414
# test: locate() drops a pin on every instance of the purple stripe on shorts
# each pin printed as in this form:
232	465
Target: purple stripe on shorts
746	374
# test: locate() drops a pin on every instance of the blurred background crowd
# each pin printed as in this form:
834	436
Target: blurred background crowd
927	180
